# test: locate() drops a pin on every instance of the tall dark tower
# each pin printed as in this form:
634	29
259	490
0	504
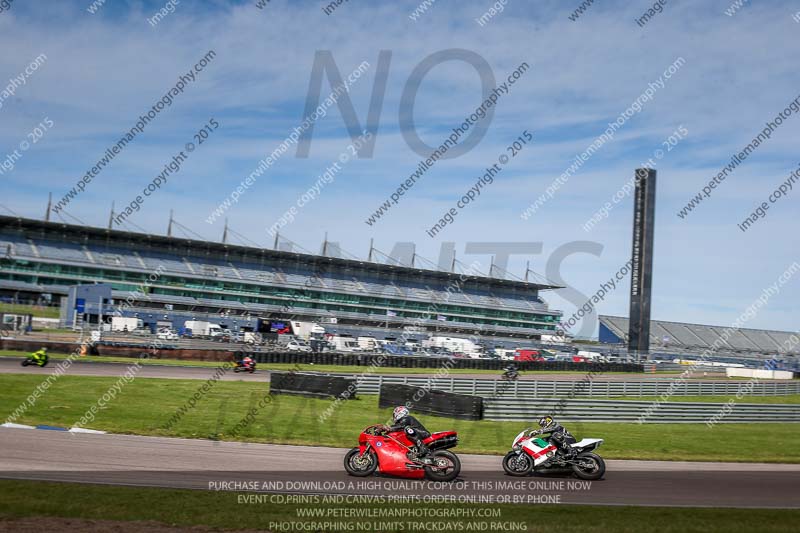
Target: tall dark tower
644	215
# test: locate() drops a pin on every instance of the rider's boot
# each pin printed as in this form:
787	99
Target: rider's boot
423	454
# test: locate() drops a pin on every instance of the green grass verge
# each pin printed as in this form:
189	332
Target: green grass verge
186	508
145	405
35	310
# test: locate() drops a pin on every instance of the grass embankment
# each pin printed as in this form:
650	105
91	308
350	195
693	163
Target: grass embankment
186	508
145	405
38	311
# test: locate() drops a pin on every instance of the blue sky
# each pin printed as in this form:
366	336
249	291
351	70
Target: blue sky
105	69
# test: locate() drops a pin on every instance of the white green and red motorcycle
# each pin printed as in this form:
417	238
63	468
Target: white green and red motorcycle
530	453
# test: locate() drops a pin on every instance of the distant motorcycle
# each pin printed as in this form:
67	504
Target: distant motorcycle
533	454
245	366
31	361
510	375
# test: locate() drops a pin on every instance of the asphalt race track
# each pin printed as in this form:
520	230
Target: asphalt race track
210	465
11	365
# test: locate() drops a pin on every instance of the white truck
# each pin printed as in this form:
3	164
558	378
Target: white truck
455	345
368	344
201	328
307	330
596	357
344	344
124	323
505	354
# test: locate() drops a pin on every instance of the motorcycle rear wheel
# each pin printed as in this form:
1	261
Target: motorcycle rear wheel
359	466
593	472
25	362
517	464
448	466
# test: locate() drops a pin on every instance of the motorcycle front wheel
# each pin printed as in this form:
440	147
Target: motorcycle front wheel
360	466
447	466
44	364
517	464
589	466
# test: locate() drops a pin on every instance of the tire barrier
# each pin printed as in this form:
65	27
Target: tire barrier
411	361
432	402
315	385
570	410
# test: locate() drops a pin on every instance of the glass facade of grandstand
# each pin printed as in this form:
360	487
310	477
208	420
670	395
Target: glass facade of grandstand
677	336
41	257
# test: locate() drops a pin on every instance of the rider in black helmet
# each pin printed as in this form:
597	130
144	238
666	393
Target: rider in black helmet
511	370
558	435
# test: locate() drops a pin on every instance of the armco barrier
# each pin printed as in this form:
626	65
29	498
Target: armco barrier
372	383
318	385
399	361
569	410
433	402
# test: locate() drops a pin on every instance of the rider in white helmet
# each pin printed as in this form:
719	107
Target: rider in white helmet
415	431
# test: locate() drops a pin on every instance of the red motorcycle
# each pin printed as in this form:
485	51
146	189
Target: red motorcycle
245	366
388	452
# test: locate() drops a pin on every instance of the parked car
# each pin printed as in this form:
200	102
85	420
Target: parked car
251	337
232	336
393	349
167	334
298	346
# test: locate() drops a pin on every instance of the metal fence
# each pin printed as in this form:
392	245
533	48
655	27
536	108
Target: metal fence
371	384
675	367
630	411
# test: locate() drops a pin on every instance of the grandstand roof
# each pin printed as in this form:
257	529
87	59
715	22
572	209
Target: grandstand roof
696	336
44	229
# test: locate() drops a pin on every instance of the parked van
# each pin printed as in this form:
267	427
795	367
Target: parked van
124	323
344	344
524	354
368	344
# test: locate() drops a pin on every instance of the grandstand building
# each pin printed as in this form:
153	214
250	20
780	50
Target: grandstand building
679	337
169	275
